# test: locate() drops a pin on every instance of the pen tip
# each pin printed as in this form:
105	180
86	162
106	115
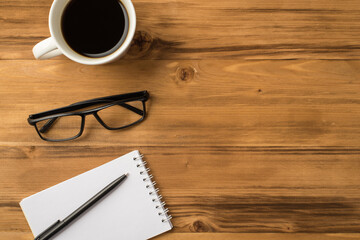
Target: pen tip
126	174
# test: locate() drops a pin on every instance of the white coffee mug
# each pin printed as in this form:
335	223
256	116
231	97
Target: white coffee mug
56	44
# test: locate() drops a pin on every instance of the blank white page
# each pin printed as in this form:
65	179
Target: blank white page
128	212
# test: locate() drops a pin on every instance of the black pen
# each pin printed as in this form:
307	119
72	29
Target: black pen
59	225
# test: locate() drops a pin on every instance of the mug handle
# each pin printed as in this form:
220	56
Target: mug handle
46	49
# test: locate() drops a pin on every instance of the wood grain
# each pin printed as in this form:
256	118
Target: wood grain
219	236
253	124
229	29
262	103
221	189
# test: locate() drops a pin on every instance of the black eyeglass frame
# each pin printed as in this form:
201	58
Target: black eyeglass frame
71	110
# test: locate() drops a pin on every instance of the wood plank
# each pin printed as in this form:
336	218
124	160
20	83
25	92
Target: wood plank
257	236
203	103
228	29
213	189
218	236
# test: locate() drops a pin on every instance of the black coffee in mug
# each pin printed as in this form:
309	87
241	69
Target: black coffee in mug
94	28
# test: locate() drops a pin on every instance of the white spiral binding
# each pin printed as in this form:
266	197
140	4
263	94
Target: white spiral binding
152	190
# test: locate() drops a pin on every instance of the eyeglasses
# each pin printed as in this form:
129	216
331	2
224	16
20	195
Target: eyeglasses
112	112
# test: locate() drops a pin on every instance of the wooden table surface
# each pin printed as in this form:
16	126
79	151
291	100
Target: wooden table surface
253	127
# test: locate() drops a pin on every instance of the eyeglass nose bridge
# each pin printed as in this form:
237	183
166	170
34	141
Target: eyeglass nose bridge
96	117
100	121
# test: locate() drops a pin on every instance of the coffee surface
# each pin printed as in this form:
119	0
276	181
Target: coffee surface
94	28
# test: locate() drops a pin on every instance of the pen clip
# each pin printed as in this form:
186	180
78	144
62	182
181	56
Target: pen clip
47	230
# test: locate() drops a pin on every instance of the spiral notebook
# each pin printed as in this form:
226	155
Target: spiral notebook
133	211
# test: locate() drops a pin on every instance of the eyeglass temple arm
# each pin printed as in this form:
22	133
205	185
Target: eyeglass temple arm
132	108
141	96
47	125
113	98
50	122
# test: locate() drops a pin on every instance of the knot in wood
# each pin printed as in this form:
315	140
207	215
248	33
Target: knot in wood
141	44
199	226
185	74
